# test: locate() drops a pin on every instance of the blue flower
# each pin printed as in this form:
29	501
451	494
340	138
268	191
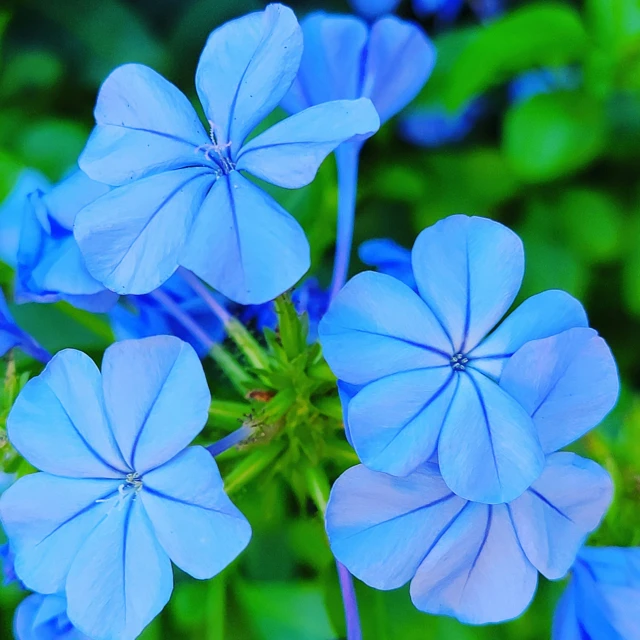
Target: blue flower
479	562
428	368
12	212
372	9
182	199
388	257
602	601
445	10
537	81
345	59
11	335
120	494
434	126
50	265
145	316
44	617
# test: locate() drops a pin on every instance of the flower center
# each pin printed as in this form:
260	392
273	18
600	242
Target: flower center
458	362
216	152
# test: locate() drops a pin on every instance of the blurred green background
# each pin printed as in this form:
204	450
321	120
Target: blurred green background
562	168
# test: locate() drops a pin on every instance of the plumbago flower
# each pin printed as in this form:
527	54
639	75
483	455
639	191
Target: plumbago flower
40	617
120	494
479	562
12	212
387	256
50	266
444	10
427	369
344	58
182	198
11	335
602	601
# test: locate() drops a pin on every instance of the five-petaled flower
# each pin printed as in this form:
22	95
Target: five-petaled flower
479	562
602	601
120	494
427	369
182	198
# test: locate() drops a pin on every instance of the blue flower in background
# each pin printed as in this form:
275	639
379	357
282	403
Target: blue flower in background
428	368
388	257
537	81
121	494
602	601
146	315
40	617
479	562
372	9
182	199
12	212
444	10
50	265
434	126
11	335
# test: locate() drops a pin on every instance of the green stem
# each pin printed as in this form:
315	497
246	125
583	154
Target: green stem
249	346
239	378
253	465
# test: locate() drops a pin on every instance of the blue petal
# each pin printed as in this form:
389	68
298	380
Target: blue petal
47	519
12	336
196	523
567	383
446	10
346	392
331	67
553	517
371	9
397	436
12	211
156	396
565	621
290	153
58	421
245	69
145	125
377	326
476	570
541	316
400	58
41	617
244	244
132	237
488	449
468	271
380	527
121	578
390	258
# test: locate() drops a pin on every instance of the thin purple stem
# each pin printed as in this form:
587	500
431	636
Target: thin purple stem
183	318
350	603
231	440
347	156
207	297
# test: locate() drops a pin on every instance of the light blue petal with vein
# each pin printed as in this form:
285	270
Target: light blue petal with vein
145	125
246	68
244	244
567	383
48	518
543	315
58	422
138	249
196	523
555	515
398	436
377	326
121	578
156	396
290	153
400	58
566	625
468	271
476	570
488	449
381	527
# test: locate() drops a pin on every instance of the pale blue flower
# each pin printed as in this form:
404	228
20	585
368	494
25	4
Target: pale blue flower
121	494
40	617
480	562
182	197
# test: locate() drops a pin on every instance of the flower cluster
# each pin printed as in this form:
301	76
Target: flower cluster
457	409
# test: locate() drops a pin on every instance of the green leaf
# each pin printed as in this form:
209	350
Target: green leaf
538	35
292	335
30	71
552	135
